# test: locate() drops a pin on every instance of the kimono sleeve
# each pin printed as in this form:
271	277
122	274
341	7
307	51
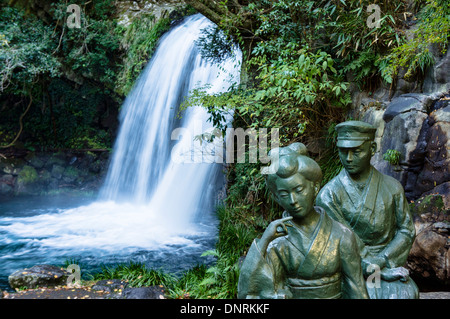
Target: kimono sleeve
353	284
261	276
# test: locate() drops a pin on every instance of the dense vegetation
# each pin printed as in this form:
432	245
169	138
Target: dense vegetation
61	87
300	57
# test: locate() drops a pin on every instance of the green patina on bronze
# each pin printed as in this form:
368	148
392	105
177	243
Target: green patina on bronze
374	206
305	254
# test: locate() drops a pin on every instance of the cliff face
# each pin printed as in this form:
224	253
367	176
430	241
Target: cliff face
414	121
127	11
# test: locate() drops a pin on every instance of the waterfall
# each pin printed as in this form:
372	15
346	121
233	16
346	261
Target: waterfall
153	208
142	169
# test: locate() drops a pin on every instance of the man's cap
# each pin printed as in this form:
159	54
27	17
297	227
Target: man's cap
354	133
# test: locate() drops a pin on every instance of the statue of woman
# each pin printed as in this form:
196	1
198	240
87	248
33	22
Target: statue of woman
305	254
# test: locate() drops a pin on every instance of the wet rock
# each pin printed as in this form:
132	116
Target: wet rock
418	127
429	258
57	171
54	160
6	190
405	134
114	287
153	292
28	181
38	276
407	103
36	162
437	77
436	163
70	174
110	285
6	185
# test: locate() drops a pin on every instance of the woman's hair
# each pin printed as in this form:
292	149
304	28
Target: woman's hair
293	159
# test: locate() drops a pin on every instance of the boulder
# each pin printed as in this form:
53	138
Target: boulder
407	103
57	171
6	190
70	174
36	162
152	292
38	276
429	258
6	185
28	181
114	287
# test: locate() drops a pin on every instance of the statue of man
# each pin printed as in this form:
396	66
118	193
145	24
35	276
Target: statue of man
305	254
375	207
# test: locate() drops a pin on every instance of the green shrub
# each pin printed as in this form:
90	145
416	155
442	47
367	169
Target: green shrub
414	55
136	274
392	157
139	39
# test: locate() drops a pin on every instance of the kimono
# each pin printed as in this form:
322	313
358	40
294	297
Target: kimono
379	215
325	266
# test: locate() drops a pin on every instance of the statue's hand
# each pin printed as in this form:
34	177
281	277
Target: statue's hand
392	274
375	260
276	229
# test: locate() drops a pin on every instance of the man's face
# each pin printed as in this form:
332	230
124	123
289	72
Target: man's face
296	195
356	160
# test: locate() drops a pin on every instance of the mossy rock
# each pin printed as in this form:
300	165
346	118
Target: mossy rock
430	208
70	174
55	161
37	162
45	176
57	171
11	165
28	182
27	175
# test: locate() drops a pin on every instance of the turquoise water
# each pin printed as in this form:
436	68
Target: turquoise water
37	230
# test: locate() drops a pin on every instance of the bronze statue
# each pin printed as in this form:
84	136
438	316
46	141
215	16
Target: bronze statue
375	207
305	254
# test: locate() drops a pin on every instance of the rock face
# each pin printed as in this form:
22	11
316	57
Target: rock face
38	276
129	10
429	258
437	78
418	127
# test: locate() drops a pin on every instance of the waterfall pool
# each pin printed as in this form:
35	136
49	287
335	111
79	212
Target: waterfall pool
60	230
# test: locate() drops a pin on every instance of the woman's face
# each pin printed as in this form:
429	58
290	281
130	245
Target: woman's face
295	194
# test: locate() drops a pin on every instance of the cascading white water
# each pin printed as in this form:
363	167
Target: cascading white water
150	202
142	170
